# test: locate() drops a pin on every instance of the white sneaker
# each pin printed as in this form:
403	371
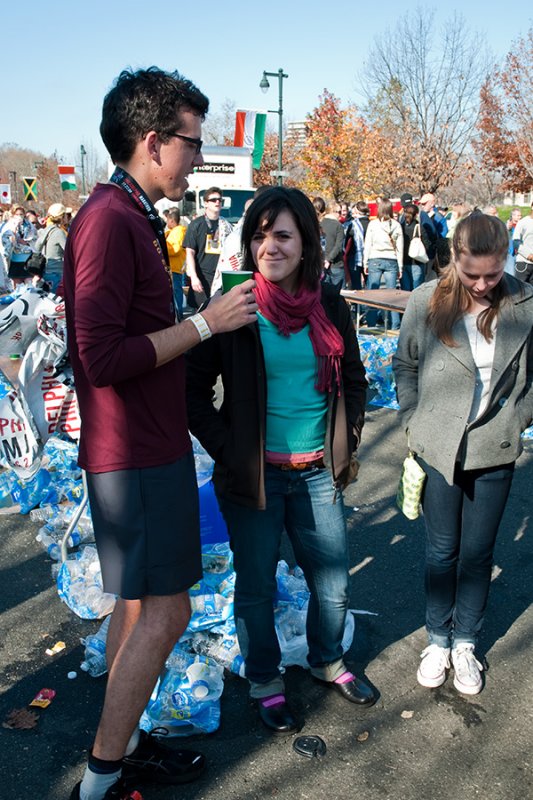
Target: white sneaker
467	678
432	670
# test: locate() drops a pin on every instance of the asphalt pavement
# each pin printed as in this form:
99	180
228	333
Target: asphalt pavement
415	743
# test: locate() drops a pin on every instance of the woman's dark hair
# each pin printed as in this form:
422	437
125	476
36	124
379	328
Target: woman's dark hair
143	101
476	235
263	213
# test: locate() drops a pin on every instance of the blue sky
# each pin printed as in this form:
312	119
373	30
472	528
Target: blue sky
52	101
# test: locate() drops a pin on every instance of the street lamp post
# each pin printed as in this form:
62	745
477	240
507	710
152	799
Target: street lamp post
83	153
13	177
37	166
264	86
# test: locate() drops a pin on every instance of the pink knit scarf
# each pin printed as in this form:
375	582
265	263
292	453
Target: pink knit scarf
291	312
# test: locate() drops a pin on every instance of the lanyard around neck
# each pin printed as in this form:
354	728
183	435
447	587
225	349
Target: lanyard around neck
139	199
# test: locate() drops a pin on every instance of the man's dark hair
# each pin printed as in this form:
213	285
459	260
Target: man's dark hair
143	101
410	212
212	190
263	213
363	208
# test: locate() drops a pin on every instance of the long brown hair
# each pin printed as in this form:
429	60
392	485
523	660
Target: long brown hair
475	235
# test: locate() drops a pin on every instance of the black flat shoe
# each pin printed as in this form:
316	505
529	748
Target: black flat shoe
355	691
277	718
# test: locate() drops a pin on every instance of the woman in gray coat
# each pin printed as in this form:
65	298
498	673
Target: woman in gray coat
51	243
464	370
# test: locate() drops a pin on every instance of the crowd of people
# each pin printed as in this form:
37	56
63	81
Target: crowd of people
32	248
285	438
422	218
359	251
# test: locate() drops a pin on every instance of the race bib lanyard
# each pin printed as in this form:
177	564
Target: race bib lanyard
121	178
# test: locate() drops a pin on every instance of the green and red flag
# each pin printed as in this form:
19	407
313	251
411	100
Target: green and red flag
250	132
67	176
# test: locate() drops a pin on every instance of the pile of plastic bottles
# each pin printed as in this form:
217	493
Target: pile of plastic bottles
186	699
59	480
56	520
180	701
79	585
376	355
221	644
212	597
95	661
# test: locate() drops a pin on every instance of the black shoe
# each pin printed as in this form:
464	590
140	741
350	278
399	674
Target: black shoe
119	791
277	718
355	691
153	761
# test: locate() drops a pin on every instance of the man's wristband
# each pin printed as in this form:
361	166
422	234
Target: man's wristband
201	326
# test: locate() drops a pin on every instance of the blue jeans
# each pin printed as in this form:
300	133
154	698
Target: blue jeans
53	272
412	276
356	277
510	264
388	268
461	525
305	504
177	285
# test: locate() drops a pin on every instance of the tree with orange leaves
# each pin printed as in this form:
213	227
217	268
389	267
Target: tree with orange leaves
343	157
495	146
505	141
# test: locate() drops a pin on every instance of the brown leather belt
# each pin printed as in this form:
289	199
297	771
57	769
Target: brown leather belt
301	465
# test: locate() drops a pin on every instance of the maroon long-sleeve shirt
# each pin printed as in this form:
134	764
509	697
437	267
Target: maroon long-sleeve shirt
116	291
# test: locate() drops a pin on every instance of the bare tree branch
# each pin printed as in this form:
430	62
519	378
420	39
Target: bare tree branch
429	80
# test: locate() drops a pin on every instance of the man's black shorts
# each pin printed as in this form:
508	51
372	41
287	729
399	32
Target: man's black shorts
146	526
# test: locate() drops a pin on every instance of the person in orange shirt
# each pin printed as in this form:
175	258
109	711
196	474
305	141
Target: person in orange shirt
174	235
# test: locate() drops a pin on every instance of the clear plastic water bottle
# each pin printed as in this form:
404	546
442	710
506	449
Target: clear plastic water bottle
45	513
49	543
95	645
224	650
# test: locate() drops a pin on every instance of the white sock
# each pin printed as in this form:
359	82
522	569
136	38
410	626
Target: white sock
95	784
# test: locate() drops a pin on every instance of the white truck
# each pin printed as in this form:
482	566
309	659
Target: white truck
229	168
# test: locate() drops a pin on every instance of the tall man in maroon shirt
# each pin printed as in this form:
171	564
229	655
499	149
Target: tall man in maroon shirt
127	356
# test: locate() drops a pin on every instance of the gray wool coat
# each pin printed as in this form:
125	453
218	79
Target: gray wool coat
435	385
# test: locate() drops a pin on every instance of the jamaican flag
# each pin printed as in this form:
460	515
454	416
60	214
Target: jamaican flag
30	188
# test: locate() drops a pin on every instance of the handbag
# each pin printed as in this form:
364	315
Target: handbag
36	264
417	251
410	487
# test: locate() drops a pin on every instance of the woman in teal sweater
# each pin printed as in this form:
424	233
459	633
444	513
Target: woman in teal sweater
283	443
